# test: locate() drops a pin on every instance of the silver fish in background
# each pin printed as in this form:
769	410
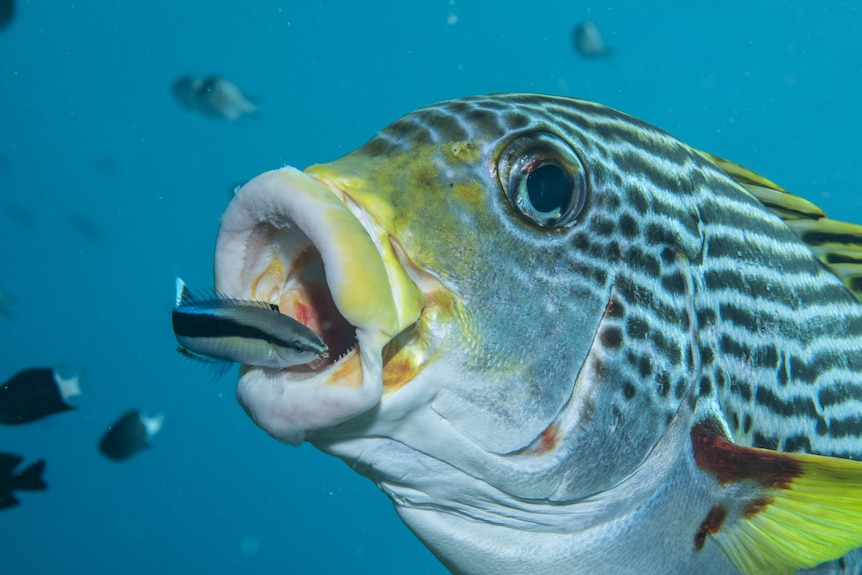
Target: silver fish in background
213	96
589	42
130	434
28	479
241	331
583	345
36	393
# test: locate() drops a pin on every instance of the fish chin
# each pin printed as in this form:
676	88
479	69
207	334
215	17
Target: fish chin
288	239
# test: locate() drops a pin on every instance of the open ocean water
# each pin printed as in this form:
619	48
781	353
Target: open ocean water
109	189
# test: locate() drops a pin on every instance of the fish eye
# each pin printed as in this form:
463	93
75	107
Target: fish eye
544	179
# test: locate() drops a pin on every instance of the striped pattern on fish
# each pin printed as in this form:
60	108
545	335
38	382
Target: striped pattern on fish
582	345
780	346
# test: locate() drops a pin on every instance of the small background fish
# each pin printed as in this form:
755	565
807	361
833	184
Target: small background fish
212	96
14	479
588	40
131	433
36	393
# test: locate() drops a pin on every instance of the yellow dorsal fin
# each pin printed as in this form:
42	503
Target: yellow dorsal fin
784	204
805	509
837	244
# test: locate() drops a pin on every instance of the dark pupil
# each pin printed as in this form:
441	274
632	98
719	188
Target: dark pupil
548	188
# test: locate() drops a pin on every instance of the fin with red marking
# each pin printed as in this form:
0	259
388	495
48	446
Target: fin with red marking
803	510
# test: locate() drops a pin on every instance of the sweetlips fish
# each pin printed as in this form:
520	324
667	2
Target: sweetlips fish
563	341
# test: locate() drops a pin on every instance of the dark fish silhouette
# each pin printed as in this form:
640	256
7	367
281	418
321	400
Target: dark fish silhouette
36	393
7	12
131	433
28	479
87	228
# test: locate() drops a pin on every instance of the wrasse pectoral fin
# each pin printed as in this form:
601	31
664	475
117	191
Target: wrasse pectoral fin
217	366
806	509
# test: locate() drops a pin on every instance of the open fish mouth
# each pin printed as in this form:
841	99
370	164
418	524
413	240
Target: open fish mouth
300	242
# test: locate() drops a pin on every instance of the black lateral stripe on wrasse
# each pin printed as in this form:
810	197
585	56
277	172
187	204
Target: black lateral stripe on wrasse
205	325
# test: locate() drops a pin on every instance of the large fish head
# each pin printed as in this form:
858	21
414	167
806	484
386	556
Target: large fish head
484	277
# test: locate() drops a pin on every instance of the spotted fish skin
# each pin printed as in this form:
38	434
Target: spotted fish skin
553	426
779	338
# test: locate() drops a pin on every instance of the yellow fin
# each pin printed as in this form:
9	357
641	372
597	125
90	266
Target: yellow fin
777	199
807	509
837	244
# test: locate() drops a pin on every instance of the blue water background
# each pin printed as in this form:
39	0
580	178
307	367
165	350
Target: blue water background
108	190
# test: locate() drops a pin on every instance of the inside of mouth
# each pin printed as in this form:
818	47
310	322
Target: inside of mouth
291	274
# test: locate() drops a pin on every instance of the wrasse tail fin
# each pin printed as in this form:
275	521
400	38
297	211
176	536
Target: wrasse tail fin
805	509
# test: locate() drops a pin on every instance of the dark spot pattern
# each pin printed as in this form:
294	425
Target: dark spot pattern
612	337
680	226
797	444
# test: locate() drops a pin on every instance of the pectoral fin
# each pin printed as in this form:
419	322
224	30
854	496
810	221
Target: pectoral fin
803	510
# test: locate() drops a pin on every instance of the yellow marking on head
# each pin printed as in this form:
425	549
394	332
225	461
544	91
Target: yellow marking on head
464	151
412	350
429	193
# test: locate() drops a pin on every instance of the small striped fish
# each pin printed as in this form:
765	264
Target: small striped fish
248	332
566	342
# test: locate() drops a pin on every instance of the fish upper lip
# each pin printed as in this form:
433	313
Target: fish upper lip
276	220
